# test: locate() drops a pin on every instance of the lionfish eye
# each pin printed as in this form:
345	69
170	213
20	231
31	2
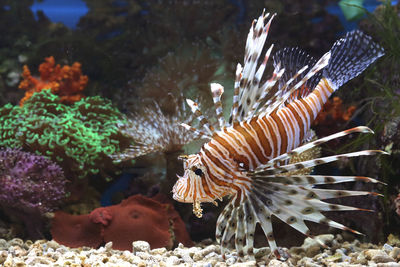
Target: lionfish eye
198	172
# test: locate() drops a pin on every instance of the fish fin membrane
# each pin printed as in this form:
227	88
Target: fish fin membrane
293	59
350	56
287	199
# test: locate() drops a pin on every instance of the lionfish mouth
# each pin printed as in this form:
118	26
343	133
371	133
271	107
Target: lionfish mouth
179	189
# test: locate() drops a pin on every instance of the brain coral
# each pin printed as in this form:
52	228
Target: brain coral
78	137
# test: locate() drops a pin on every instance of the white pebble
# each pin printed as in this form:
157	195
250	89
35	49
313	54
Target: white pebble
140	246
173	260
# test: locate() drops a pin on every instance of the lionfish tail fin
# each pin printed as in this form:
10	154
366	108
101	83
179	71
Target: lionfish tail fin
350	56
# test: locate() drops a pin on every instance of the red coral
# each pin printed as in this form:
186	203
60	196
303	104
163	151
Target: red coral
66	81
135	218
332	116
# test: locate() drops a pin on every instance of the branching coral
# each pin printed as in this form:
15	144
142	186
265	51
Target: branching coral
333	116
78	137
30	185
66	81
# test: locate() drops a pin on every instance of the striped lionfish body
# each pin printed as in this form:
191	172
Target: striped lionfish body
249	157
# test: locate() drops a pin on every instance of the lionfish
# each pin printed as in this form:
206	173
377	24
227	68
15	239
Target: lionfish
249	157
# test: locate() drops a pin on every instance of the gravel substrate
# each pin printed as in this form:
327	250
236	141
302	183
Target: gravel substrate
18	253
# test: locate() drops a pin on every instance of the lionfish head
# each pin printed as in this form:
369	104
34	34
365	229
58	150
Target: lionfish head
189	187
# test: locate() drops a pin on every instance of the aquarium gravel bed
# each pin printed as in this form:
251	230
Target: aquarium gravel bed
16	252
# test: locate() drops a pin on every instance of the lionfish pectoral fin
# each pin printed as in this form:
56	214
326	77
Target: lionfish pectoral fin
289	198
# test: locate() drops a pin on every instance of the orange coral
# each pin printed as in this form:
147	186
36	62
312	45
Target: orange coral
333	110
333	115
67	81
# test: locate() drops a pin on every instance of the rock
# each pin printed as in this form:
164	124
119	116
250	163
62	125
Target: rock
378	256
158	251
258	253
245	264
277	263
108	246
388	264
395	253
140	246
312	247
393	240
387	248
173	260
199	255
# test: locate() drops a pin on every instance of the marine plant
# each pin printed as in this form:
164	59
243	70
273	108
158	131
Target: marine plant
378	97
30	186
67	81
79	137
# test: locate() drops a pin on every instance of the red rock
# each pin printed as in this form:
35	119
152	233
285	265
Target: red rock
135	218
75	230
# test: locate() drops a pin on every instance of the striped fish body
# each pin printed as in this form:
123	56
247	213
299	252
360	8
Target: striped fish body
250	158
254	142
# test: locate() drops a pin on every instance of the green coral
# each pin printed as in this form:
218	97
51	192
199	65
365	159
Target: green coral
78	137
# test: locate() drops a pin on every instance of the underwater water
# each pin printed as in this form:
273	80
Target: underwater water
131	122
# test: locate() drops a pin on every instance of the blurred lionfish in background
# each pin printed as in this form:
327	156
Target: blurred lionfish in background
250	157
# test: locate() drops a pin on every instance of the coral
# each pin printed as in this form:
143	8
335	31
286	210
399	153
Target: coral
29	181
78	137
135	218
30	185
332	116
67	81
187	72
152	130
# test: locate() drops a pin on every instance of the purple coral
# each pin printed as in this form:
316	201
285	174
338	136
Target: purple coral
30	185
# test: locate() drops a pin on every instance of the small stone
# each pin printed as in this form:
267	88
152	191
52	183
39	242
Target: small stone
245	264
143	255
395	253
277	263
200	254
108	246
9	261
393	240
173	260
51	244
140	246
387	248
231	260
382	259
158	251
312	247
378	256
16	242
388	264
263	251
361	259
